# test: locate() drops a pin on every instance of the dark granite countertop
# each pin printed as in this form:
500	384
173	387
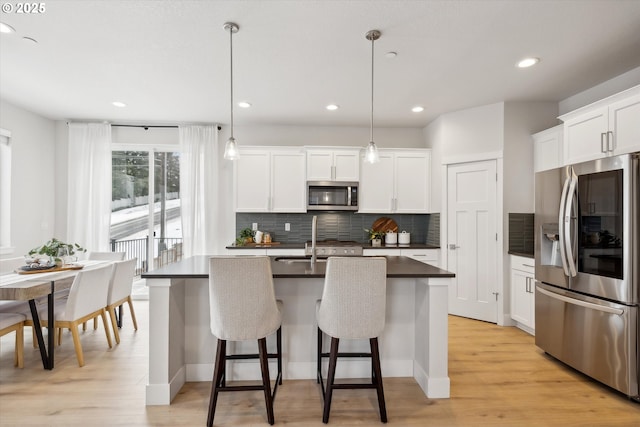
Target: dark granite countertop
524	254
364	246
197	267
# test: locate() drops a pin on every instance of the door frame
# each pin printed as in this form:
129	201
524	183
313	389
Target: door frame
504	297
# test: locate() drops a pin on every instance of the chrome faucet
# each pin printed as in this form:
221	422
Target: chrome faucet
314	235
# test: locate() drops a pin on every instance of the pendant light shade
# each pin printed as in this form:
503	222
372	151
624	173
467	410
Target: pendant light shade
371	153
231	148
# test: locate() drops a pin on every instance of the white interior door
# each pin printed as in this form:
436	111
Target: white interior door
472	239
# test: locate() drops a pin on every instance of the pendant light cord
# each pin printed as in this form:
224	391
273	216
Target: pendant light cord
231	67
371	121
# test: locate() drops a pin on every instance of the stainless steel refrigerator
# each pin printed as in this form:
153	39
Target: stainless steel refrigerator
587	254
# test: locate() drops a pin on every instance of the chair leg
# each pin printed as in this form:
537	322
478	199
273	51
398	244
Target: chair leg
217	376
375	362
331	376
19	350
279	350
84	326
95	323
266	382
319	359
133	314
114	324
106	326
76	343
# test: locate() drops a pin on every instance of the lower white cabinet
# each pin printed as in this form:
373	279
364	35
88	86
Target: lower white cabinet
426	256
523	288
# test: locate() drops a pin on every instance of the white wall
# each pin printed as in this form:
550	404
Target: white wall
34	179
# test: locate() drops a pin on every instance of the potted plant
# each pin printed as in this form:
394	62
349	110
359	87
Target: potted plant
56	249
375	236
246	236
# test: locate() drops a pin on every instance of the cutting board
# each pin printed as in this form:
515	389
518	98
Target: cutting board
51	270
384	224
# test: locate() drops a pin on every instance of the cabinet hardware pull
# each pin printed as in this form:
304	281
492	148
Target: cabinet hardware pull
602	136
527	265
610	139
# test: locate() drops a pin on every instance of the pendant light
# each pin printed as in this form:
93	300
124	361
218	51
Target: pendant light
231	148
371	153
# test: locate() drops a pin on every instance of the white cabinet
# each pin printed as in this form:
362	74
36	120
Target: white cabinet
607	127
333	164
523	290
399	183
270	180
547	149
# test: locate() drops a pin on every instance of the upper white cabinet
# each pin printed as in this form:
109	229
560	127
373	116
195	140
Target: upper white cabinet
547	149
270	180
399	183
607	127
333	164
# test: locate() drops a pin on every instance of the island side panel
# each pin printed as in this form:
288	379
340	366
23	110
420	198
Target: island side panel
431	339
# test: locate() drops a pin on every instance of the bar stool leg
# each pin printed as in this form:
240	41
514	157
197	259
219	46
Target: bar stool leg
319	360
375	363
266	382
279	350
217	376
331	376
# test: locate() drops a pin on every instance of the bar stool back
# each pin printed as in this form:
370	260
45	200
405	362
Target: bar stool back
352	307
243	307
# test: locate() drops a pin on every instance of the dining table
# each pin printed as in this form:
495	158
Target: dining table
31	286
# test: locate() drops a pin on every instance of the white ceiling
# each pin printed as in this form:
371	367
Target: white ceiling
169	60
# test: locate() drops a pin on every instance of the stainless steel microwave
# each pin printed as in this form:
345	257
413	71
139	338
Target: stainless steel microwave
332	196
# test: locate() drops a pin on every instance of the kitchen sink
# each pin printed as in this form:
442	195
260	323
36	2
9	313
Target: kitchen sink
296	259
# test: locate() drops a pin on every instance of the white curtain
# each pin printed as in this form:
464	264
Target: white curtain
199	189
89	185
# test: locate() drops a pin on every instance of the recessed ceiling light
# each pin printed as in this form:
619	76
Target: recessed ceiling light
244	104
118	104
6	28
391	55
528	62
30	40
332	107
417	109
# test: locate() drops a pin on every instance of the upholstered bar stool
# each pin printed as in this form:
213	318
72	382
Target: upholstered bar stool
352	307
243	307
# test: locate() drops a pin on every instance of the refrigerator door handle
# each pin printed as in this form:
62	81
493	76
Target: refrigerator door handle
561	228
568	241
585	304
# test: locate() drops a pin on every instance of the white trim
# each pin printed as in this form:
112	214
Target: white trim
472	157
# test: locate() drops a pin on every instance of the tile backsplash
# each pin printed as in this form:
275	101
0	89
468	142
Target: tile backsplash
521	234
424	228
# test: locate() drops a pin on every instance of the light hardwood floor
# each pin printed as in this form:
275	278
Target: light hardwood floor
498	378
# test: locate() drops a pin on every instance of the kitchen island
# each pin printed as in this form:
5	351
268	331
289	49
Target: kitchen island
181	347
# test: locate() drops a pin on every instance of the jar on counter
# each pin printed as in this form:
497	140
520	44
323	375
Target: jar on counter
266	238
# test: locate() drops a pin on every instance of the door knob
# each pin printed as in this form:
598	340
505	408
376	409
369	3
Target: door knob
453	246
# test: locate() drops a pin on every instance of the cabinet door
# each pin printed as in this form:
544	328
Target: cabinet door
319	165
547	149
288	184
624	123
583	136
412	177
425	256
376	185
346	165
521	297
252	181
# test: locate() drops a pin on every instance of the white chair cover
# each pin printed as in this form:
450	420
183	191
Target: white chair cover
242	299
106	256
121	280
354	297
88	294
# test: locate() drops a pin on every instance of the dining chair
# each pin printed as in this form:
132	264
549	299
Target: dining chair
14	322
352	307
243	307
87	300
106	256
120	292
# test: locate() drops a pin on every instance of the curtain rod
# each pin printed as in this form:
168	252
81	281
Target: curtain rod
146	127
